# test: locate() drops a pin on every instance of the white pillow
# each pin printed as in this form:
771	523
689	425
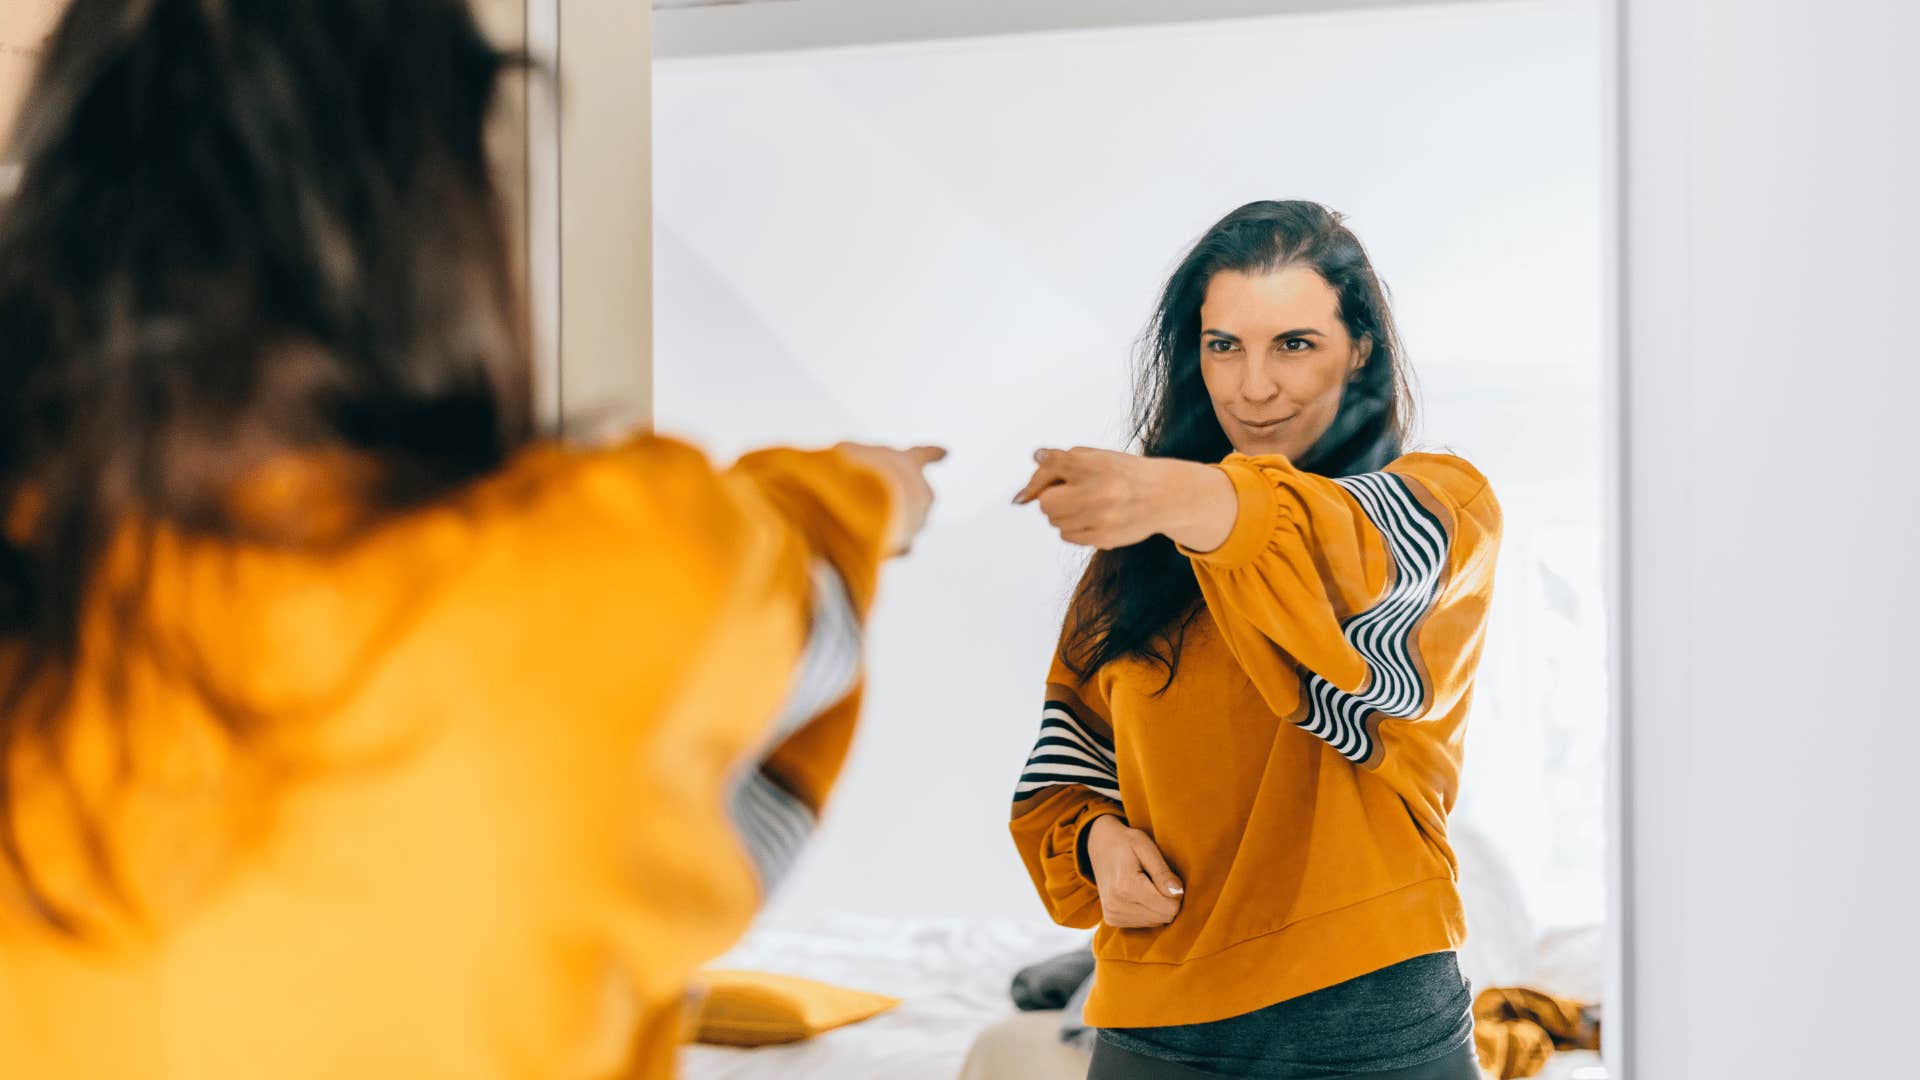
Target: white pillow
1501	939
1571	962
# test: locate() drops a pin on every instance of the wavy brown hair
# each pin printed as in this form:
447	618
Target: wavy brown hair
1137	601
242	228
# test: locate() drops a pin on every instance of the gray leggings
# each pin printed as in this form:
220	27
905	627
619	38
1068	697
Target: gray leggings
1419	1010
1111	1062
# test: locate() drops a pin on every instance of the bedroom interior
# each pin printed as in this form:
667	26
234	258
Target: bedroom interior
963	198
757	221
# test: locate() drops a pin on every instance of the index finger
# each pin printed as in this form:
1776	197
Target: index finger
1044	477
924	456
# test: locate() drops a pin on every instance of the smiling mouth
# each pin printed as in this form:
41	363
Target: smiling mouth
1263	425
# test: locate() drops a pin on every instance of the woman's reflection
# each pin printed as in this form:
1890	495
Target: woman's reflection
1253	723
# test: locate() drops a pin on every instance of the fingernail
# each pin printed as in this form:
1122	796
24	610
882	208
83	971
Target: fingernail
1176	889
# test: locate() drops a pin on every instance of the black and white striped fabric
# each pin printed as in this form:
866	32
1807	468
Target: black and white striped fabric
773	821
1069	751
1383	634
830	668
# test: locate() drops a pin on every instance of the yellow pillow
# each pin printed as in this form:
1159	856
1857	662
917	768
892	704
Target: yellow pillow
755	1008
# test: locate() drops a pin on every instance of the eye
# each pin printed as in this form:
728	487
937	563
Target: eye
1219	345
1303	343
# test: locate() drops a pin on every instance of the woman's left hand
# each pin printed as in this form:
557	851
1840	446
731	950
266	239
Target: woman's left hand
1106	499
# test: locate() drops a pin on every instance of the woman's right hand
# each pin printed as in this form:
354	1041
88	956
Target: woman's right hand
1137	887
913	494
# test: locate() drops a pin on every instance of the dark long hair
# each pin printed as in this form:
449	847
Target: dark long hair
243	228
1137	601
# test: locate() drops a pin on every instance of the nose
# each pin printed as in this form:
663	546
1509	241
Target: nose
1257	385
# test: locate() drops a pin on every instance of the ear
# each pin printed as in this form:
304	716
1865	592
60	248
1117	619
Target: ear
1362	352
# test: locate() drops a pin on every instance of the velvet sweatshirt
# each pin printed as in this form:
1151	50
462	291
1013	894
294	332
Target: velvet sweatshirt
517	763
1298	771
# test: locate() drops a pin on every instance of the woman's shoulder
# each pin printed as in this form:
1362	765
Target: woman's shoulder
645	501
1460	492
659	492
1448	475
644	467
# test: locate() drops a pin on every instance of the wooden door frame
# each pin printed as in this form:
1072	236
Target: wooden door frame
589	236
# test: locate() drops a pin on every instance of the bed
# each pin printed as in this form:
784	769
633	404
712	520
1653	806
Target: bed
956	1021
951	976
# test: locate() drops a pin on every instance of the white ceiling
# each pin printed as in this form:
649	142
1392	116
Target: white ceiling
667	5
684	28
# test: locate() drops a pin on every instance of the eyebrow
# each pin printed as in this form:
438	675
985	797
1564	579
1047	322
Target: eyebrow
1305	331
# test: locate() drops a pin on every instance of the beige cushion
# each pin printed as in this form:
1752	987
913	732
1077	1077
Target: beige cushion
1024	1046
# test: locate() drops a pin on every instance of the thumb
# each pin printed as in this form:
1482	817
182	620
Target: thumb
927	455
1154	865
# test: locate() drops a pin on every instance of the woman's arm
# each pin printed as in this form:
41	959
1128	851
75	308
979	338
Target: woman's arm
1346	600
708	685
1070	780
1106	499
777	799
1088	865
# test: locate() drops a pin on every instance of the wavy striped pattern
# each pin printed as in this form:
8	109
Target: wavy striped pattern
829	669
1383	634
773	822
1069	751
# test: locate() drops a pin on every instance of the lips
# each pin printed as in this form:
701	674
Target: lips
1263	425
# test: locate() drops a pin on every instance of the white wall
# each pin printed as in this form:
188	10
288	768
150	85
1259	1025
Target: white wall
958	243
1772	384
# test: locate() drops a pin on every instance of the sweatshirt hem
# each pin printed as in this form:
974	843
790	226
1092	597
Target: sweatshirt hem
1312	954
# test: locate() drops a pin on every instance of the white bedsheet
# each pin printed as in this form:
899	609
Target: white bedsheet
952	976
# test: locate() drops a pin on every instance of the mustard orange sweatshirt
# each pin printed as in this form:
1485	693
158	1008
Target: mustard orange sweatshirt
527	758
1299	770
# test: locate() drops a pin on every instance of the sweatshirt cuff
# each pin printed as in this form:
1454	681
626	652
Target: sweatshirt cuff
1081	863
1254	521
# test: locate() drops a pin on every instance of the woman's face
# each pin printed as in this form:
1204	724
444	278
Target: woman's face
1275	357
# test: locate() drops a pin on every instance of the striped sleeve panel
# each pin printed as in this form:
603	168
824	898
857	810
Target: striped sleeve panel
775	823
1075	747
829	669
1396	686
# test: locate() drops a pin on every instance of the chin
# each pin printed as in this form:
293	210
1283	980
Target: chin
1276	447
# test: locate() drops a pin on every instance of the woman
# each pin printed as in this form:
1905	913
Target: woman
346	728
1252	730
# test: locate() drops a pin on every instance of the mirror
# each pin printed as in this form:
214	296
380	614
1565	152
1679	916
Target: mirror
958	238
